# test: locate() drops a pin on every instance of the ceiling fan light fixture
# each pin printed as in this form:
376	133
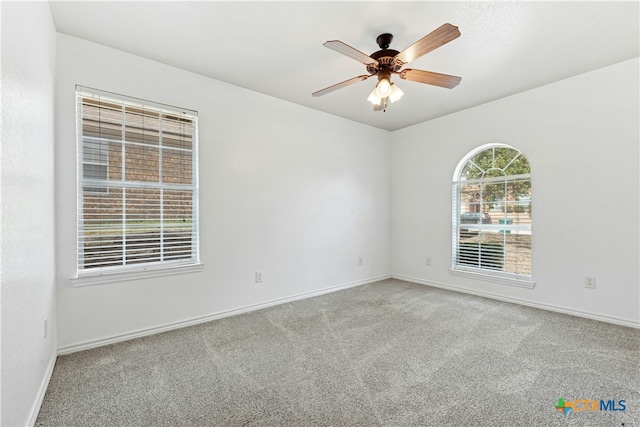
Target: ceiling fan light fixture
384	102
373	98
383	88
396	93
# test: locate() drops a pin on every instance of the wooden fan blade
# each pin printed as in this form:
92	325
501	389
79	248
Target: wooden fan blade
430	78
431	41
351	52
340	85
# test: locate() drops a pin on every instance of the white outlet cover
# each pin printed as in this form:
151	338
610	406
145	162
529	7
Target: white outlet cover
590	282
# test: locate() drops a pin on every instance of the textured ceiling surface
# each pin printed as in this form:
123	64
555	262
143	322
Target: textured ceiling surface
276	47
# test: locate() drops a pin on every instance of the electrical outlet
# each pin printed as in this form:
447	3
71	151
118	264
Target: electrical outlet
258	276
46	328
590	282
427	260
360	260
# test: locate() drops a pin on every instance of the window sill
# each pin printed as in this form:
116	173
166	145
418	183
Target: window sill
487	277
89	279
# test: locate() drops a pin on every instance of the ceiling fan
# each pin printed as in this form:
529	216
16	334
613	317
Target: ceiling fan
387	61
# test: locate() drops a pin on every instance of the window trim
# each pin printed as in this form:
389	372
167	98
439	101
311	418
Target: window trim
494	277
478	273
100	275
89	277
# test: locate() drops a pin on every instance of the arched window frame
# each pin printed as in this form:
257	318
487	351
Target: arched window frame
475	259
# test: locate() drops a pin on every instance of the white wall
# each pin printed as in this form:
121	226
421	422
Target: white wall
27	214
286	190
581	137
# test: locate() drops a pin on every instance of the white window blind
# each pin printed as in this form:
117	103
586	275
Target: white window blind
137	183
492	213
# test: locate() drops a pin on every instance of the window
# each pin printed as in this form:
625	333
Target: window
137	184
492	215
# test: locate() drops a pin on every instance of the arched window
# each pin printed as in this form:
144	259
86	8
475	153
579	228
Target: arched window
492	214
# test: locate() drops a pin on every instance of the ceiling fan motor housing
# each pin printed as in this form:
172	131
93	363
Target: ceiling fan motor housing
385	55
385	61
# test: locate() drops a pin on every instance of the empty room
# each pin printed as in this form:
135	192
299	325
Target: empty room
320	213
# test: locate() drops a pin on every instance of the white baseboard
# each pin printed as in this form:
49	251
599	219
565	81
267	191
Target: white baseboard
548	307
203	319
35	410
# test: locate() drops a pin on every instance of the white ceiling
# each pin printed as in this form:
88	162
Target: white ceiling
276	47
